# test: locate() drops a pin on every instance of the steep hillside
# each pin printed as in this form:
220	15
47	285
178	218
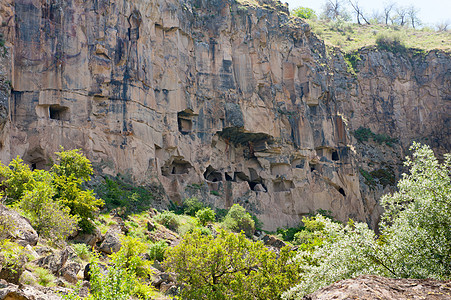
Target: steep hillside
232	102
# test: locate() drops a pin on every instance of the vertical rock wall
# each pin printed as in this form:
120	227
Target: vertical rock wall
228	102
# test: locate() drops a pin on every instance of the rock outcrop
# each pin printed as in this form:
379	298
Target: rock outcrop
224	100
375	287
17	228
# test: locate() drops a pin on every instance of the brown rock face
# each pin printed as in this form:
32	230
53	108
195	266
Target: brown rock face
374	287
214	99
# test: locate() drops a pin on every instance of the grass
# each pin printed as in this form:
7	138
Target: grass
350	36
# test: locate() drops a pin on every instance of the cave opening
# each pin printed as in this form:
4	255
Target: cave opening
342	191
212	175
57	112
335	156
185	121
177	167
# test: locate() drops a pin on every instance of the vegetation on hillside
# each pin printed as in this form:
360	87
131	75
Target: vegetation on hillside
219	259
345	24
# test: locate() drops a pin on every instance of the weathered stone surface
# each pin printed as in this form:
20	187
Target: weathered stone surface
374	287
89	239
238	100
111	242
70	271
21	230
57	261
10	291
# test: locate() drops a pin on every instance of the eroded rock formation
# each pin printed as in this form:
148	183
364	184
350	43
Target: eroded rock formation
229	102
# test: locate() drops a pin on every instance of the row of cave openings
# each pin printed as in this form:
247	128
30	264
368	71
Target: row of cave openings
255	182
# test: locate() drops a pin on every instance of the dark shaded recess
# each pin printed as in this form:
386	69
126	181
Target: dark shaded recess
212	175
238	136
185	121
253	181
300	164
57	112
240	176
313	167
342	191
335	156
177	167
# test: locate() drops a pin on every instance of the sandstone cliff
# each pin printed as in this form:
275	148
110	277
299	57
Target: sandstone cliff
230	101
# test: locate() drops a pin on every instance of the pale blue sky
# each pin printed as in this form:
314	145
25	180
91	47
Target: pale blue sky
431	11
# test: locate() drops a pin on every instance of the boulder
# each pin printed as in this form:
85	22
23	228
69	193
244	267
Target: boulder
10	291
89	239
371	287
111	242
270	240
21	230
70	271
56	262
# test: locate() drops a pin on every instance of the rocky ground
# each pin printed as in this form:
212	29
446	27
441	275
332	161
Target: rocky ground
374	287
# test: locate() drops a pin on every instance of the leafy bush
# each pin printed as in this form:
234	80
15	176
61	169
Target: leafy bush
304	13
390	43
118	192
12	260
50	218
44	277
42	193
363	134
229	265
124	277
7	226
82	251
205	215
157	250
168	219
192	205
237	219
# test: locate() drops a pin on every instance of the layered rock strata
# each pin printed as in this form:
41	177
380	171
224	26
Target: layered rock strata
232	102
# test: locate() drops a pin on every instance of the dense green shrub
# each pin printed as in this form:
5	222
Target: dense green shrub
50	218
44	276
230	266
390	43
156	251
237	219
168	219
12	260
42	193
82	251
124	277
118	192
362	134
192	205
304	13
205	215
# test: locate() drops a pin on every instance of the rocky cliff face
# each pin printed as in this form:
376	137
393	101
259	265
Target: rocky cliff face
227	101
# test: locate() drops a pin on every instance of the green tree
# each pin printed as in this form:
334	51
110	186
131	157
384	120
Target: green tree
205	215
125	276
16	179
70	172
50	218
230	266
304	13
237	219
53	199
415	238
416	225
